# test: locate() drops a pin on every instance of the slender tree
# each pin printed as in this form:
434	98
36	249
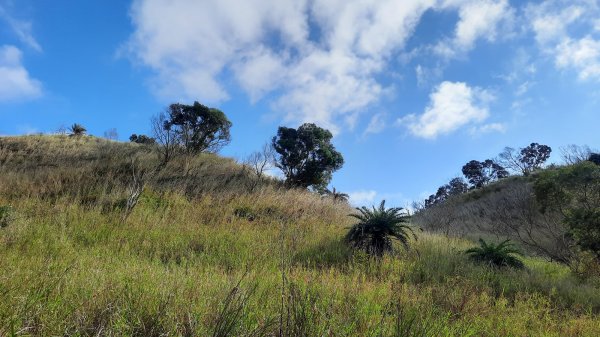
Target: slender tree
165	137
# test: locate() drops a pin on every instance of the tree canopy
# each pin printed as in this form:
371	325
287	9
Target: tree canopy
575	192
482	173
527	159
594	158
142	139
198	128
306	155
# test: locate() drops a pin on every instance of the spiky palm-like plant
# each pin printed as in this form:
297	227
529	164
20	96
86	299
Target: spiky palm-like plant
337	196
378	227
77	130
500	255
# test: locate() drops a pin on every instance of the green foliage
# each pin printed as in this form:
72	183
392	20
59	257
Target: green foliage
73	270
456	186
6	216
534	156
77	130
142	139
245	212
198	128
500	255
575	192
377	227
594	158
527	159
482	173
306	155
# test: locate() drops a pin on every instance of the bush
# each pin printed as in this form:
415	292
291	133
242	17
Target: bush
78	130
142	139
377	228
501	255
575	192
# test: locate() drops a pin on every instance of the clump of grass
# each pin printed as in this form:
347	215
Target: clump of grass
6	216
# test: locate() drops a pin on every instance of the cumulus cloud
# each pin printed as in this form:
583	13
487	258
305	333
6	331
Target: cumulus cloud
566	32
582	55
15	81
315	61
478	19
451	106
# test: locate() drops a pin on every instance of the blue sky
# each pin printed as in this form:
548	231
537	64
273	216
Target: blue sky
411	89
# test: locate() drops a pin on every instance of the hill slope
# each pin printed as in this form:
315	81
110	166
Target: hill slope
199	255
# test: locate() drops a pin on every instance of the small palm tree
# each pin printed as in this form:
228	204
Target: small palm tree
337	196
501	255
377	227
77	130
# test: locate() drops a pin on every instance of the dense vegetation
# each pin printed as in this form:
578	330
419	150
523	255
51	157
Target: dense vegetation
212	249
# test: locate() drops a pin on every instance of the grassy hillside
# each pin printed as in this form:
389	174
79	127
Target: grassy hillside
505	209
199	255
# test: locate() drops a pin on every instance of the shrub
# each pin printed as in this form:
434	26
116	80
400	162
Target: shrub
336	195
142	139
78	130
6	216
575	192
245	212
377	227
501	255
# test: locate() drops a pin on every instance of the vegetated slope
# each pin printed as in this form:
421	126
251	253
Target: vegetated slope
200	255
504	209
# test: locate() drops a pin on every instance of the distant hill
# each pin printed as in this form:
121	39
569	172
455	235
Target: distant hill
505	209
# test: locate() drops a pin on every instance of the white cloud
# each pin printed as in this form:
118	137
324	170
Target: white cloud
15	82
565	32
316	60
452	105
478	19
523	88
426	75
582	55
487	128
362	197
377	123
22	29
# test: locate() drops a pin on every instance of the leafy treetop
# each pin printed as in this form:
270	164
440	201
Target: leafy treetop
198	128
482	173
306	155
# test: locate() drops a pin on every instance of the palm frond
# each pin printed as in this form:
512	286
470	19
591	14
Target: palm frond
500	255
377	227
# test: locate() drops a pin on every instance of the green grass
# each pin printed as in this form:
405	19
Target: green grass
190	265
